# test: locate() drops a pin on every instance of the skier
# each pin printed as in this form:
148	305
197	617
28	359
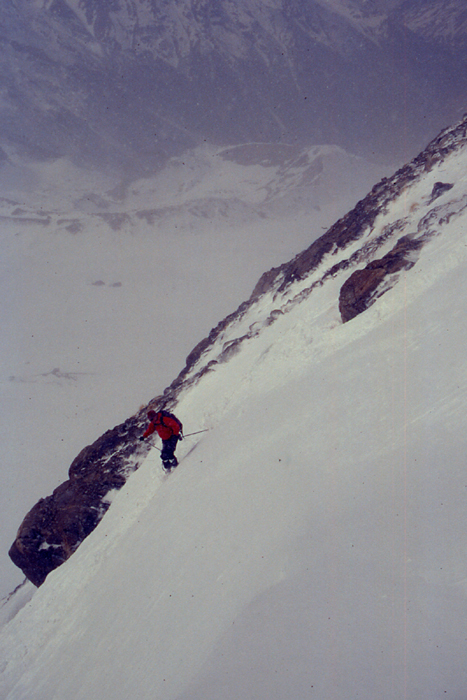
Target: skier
170	430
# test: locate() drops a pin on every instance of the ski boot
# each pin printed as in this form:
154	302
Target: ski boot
170	464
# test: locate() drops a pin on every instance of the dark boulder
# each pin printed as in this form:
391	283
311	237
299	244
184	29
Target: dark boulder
55	527
439	188
363	287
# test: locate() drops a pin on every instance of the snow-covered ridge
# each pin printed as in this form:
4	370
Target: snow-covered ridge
368	232
416	205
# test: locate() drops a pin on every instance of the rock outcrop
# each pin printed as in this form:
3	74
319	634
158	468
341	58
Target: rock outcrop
353	225
363	287
56	525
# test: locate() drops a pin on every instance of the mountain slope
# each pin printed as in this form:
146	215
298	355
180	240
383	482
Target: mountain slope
445	21
359	258
311	542
83	343
125	85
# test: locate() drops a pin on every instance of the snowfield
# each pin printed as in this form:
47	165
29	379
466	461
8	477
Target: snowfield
312	542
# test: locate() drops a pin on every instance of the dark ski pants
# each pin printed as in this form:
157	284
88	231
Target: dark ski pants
168	448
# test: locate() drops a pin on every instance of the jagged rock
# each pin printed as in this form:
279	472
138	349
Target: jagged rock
363	287
53	529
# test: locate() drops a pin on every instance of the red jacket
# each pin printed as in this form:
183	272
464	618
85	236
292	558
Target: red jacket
165	426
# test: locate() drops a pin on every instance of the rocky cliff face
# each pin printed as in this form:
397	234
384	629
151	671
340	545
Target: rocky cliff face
127	84
57	525
365	252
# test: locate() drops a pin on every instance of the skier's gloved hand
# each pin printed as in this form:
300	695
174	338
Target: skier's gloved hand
180	436
141	437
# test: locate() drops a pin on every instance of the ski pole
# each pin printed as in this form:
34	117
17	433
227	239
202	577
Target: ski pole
197	432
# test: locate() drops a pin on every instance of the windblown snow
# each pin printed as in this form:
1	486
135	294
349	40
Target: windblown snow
312	542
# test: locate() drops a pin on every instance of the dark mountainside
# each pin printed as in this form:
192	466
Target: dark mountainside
125	85
56	525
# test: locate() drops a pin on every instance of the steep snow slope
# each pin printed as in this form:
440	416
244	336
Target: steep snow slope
105	291
312	542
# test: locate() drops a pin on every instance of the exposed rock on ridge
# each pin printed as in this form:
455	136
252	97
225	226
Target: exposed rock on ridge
351	227
364	286
55	526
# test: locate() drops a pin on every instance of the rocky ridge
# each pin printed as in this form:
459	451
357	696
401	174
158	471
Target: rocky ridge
364	250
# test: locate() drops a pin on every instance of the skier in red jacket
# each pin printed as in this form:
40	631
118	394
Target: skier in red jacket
169	429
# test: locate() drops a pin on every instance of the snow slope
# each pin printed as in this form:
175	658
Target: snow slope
105	289
311	543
